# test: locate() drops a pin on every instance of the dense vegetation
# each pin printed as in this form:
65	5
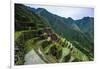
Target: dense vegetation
52	40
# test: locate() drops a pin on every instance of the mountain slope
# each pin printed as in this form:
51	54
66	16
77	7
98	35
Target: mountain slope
73	30
34	33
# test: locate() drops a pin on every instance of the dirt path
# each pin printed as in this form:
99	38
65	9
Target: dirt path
33	58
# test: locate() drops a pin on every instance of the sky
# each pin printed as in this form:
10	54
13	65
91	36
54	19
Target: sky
73	12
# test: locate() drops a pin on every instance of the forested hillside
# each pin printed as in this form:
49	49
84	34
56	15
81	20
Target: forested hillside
53	39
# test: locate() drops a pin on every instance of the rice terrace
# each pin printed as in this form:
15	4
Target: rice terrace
52	34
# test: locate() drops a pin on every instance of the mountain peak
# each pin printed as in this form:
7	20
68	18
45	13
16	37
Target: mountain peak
69	18
39	9
86	18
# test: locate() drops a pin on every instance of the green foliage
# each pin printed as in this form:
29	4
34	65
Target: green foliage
52	42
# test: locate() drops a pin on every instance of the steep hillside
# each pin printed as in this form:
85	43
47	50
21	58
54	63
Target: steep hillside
76	31
34	33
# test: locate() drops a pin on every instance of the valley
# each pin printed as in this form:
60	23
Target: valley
41	37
